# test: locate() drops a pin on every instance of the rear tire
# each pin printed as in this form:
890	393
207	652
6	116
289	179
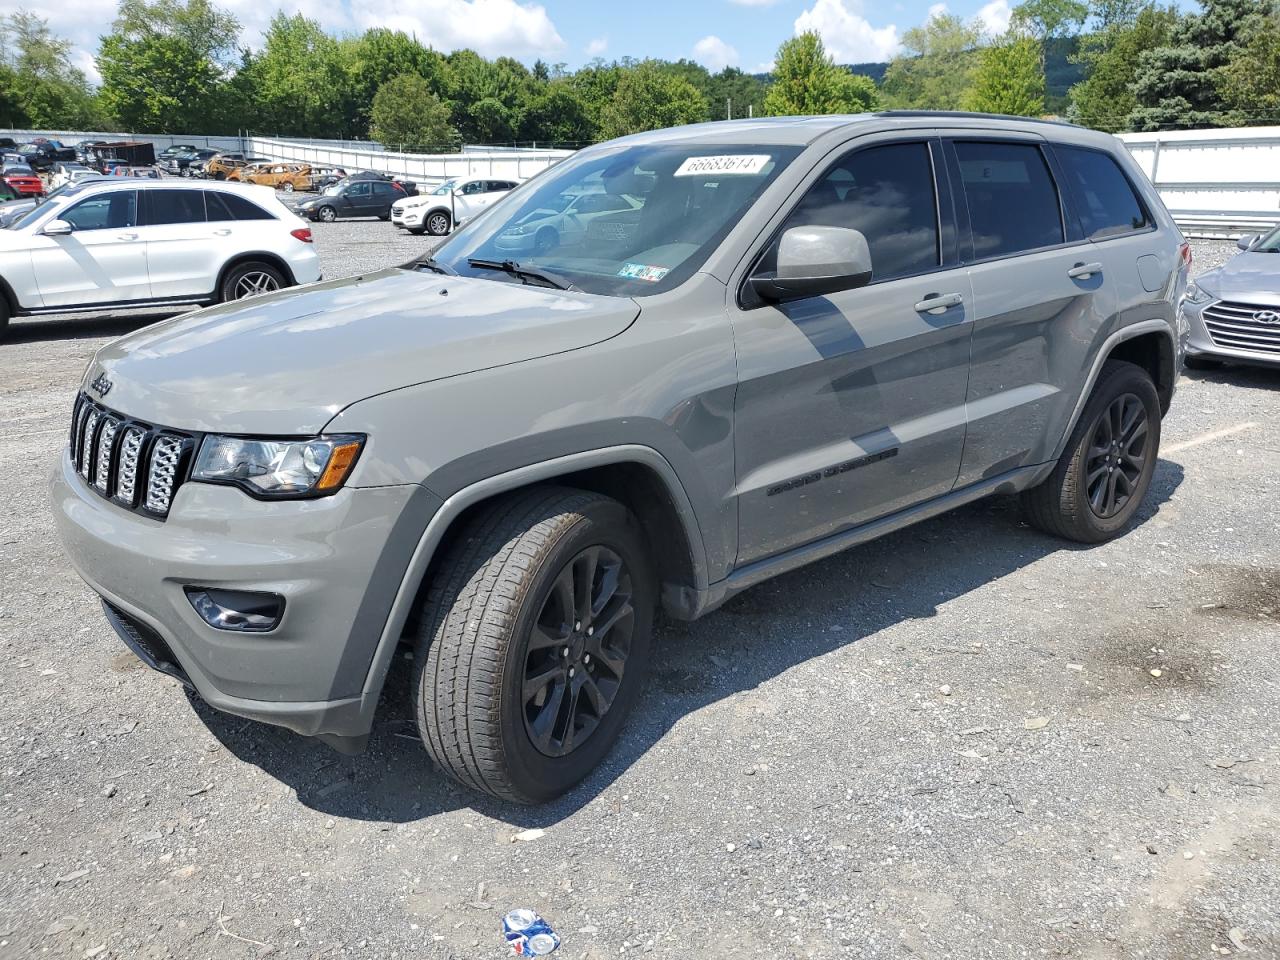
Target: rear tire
287	187
499	704
1105	470
250	279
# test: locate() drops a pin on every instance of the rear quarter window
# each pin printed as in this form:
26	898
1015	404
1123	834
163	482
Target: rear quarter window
230	206
1105	199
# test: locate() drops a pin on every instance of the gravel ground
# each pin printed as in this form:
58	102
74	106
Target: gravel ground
964	740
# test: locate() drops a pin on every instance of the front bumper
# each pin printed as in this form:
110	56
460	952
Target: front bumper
338	562
1251	344
408	218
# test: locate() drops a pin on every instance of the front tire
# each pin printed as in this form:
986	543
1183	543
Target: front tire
438	223
1105	470
327	214
250	279
533	642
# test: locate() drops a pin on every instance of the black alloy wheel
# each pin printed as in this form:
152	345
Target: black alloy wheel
1117	456
577	651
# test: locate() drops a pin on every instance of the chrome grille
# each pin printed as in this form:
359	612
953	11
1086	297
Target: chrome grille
1235	326
121	458
163	473
106	446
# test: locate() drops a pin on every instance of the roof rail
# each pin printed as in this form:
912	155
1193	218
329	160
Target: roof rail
962	115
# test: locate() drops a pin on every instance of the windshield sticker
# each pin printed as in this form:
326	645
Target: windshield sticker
640	271
748	164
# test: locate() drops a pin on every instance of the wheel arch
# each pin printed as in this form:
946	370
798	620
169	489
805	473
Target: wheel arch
259	255
637	475
1148	344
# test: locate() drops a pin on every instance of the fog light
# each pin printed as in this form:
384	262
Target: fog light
242	611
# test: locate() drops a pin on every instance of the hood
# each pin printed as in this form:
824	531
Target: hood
1248	277
287	362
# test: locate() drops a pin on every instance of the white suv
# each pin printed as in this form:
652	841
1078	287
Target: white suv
106	244
449	205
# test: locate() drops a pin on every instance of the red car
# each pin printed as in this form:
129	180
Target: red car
23	179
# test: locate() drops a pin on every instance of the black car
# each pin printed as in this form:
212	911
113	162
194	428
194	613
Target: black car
408	186
7	144
188	163
353	197
177	148
42	156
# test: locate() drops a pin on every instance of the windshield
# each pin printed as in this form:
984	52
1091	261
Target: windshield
444	188
625	221
334	190
1270	243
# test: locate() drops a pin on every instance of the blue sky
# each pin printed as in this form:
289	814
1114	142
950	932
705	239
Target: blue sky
717	33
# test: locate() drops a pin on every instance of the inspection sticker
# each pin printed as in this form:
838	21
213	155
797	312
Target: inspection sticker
747	164
640	271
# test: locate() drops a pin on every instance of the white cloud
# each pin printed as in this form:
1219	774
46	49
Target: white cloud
937	10
846	34
714	54
597	46
766	67
995	16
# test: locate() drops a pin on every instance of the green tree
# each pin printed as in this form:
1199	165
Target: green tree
1009	78
377	56
1179	85
936	66
407	113
649	98
12	115
1104	99
299	80
595	84
806	81
557	116
163	63
1250	81
733	94
45	90
489	97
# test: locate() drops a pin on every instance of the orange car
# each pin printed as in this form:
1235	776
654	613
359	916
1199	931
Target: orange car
283	176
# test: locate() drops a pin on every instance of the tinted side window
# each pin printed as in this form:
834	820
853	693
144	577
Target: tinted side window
359	189
1012	201
173	206
229	206
114	211
888	194
1106	201
475	186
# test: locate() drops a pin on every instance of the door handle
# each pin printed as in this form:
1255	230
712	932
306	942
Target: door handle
127	236
1083	271
222	233
939	303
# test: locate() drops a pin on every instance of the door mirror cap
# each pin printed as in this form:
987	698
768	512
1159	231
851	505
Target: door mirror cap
1247	241
813	261
57	228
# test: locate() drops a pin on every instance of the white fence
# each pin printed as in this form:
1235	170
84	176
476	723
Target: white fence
237	144
419	167
1216	183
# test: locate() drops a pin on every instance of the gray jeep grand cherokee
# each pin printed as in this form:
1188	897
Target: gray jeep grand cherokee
768	341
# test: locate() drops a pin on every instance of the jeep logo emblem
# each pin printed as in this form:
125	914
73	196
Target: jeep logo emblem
101	386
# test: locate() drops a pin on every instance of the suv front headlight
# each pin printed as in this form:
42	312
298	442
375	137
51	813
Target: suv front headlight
278	469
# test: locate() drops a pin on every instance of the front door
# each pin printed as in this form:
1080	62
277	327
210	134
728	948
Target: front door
851	406
357	199
103	259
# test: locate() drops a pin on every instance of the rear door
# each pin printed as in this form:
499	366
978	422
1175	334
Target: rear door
184	251
850	406
104	259
384	195
1040	297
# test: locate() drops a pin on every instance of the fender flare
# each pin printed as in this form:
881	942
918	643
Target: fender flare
1141	328
468	496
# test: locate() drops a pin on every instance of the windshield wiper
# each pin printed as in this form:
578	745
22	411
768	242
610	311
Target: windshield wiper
524	273
432	264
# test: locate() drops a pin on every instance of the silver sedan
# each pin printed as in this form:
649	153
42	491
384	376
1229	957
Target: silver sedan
1233	312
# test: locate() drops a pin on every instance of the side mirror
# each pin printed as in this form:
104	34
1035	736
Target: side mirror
813	261
1247	241
58	228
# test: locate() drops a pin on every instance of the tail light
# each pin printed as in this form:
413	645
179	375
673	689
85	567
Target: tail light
1184	253
302	233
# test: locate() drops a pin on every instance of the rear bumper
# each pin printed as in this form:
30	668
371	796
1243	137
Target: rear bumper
337	561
